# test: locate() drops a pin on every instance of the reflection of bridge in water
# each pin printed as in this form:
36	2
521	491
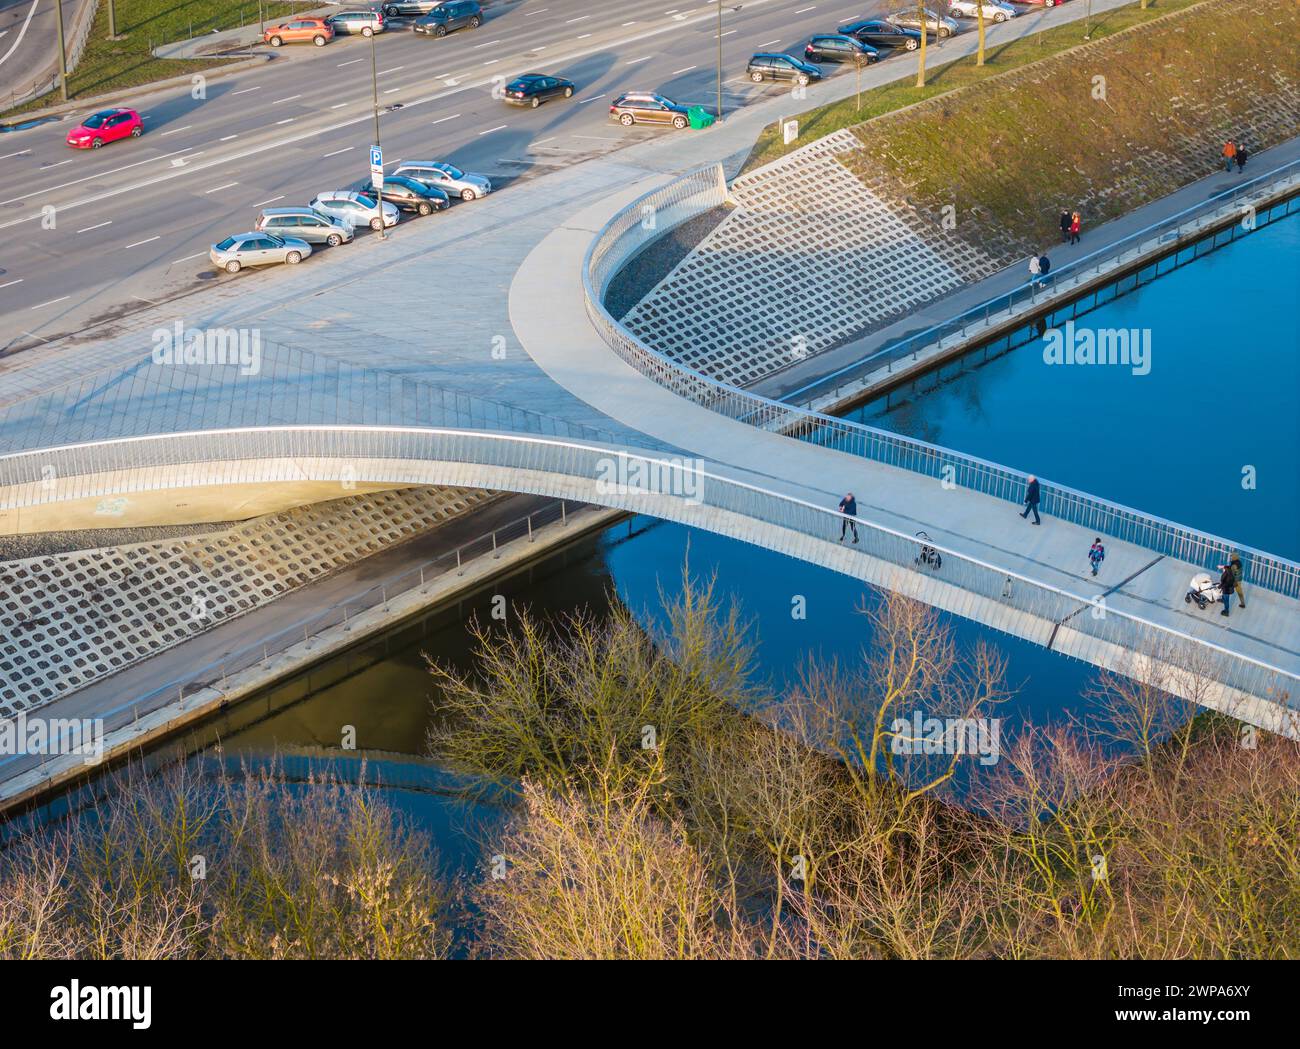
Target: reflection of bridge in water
178	444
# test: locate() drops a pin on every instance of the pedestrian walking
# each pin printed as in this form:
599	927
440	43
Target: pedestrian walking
849	508
1044	268
1227	584
1065	225
1229	155
1096	554
1034	269
1031	500
1242	156
1238	574
1076	222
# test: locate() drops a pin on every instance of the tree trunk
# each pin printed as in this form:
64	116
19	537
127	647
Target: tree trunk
920	64
979	15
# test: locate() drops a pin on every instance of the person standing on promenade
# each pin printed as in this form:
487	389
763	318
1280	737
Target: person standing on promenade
1031	500
1227	584
1242	157
1034	269
1065	225
1238	573
1229	155
1096	554
849	508
1076	223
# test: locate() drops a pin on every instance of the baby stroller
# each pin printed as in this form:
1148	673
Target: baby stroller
929	556
1205	591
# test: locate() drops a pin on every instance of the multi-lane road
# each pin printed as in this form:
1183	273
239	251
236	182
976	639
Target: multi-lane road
87	237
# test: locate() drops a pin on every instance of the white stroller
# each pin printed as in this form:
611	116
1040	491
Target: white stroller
1205	591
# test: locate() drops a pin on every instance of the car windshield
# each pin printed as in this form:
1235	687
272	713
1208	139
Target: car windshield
454	172
364	201
226	244
97	120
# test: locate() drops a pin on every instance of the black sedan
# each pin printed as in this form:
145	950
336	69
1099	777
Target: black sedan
410	194
532	89
839	47
879	33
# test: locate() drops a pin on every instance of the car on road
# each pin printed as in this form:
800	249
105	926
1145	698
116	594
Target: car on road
257	249
408	8
879	33
108	125
646	107
994	10
449	15
532	89
300	31
839	47
357	209
410	194
304	223
446	177
771	65
910	19
366	23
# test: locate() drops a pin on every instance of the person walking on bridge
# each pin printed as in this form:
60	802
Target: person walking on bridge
1065	225
1096	554
1242	156
1238	573
1031	500
1227	584
1034	269
1229	155
849	508
1076	223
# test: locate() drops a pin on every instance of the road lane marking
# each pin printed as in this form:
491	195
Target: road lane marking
10	284
263	203
393	70
350	61
227	138
20	153
147	240
676	72
216	189
246	90
176	130
289	99
46	167
42	305
442	120
584	101
499	127
22	32
634	61
287	120
98	225
338	151
177	262
90	178
338	105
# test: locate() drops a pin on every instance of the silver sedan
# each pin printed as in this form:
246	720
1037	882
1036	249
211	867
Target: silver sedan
257	249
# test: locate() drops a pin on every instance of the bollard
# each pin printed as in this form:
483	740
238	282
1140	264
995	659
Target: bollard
346	629
383	590
459	570
563	519
422	590
530	528
495	552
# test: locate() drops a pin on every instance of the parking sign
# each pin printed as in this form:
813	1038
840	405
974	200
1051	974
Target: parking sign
376	167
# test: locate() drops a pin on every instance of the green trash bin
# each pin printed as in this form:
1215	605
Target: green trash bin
700	117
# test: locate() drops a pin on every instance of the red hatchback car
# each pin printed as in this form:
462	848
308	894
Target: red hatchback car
107	126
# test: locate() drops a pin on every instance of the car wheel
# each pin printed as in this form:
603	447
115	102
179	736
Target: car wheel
535	102
423	208
293	258
911	45
376	224
679	122
944	33
367	31
440	31
568	92
475	22
757	78
275	41
137	131
626	119
334	240
390	11
232	266
319	41
467	194
1049	3
1000	17
96	143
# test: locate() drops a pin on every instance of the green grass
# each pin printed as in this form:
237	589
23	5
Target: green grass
110	64
943	79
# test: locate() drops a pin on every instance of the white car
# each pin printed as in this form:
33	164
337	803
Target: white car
994	11
446	177
356	209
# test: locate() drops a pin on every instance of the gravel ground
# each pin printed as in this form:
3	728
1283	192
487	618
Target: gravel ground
42	544
646	270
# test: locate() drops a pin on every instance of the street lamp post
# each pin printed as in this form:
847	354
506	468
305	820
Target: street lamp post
719	61
374	91
63	54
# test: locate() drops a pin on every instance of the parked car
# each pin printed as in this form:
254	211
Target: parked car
909	19
532	89
1042	3
994	10
449	15
106	126
770	65
879	33
257	249
410	194
446	177
646	107
407	8
357	209
367	23
839	47
300	31
305	223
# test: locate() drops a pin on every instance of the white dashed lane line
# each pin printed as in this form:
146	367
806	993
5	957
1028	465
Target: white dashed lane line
42	305
177	262
499	127
11	283
263	203
176	130
289	99
593	98
442	120
147	240
97	225
217	189
677	72
349	62
338	151
246	90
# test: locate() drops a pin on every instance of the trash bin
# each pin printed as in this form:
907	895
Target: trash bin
700	117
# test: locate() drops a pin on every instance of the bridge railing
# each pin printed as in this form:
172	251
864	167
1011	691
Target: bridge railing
671	489
628	233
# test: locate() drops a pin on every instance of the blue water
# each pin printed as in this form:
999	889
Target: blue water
1223	394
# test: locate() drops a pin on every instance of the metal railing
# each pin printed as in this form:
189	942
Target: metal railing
671	489
627	233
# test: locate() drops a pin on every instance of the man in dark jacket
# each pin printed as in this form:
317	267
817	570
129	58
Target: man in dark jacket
1227	584
1031	500
849	508
1238	574
1065	226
